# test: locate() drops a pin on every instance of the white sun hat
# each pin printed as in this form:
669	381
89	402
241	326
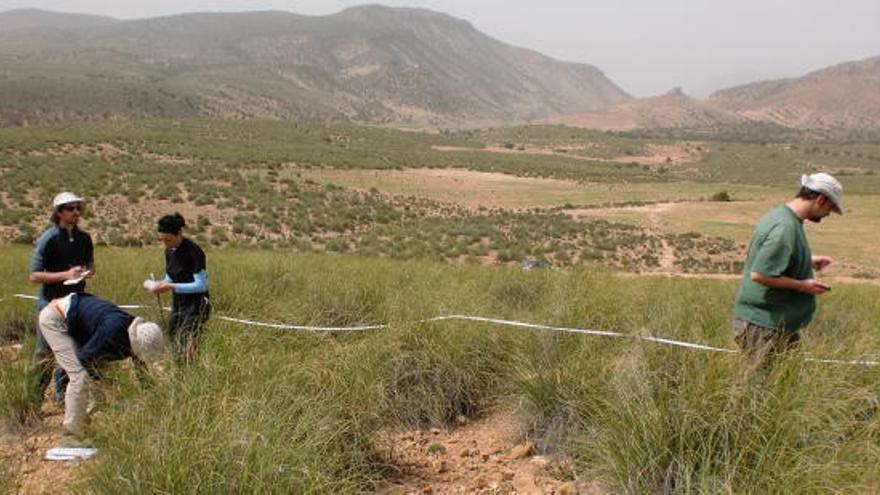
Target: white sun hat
146	340
826	185
64	198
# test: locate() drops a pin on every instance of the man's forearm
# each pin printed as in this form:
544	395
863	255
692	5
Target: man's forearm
780	282
48	277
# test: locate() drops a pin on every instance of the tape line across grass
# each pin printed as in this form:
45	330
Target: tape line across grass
483	319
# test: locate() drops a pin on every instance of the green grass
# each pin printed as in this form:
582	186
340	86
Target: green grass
269	410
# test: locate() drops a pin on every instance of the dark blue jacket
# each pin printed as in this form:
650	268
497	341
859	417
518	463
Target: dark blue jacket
99	328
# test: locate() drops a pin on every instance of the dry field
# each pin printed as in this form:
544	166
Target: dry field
675	207
475	189
653	155
850	238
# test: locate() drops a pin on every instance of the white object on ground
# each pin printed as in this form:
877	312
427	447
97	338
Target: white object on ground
70	453
77	280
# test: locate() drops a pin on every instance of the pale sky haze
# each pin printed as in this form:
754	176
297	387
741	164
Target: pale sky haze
645	46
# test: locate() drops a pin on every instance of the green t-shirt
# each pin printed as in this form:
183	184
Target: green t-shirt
778	247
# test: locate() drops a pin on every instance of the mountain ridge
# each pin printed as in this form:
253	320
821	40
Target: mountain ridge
368	64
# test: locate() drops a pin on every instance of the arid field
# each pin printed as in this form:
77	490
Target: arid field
339	226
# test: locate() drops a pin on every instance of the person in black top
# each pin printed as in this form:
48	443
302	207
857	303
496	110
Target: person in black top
186	275
63	258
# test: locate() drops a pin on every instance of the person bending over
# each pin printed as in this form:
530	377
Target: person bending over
83	331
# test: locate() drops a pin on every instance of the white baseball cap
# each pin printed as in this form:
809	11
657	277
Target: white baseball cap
826	185
64	198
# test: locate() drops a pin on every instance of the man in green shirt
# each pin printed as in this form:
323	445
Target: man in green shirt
778	293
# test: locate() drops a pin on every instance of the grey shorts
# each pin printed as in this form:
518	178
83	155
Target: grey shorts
755	339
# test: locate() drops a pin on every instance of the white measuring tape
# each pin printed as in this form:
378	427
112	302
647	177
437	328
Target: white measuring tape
510	323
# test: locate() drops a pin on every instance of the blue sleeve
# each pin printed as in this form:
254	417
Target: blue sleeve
167	279
38	259
200	284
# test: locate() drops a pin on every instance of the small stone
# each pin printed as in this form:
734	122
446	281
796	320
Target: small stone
485	457
507	475
522	451
461	420
567	488
435	431
524	482
539	461
439	466
480	482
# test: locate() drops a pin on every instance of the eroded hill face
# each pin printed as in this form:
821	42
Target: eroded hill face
842	96
673	109
367	64
840	99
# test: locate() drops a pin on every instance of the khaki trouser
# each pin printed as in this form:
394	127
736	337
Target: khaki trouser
54	328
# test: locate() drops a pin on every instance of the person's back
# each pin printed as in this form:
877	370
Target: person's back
99	327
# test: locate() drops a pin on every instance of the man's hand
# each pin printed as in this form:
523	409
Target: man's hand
814	286
73	273
820	262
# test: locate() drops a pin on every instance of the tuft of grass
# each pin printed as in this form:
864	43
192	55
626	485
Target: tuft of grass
435	448
19	403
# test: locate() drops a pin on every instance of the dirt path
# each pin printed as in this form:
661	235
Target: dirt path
667	254
486	456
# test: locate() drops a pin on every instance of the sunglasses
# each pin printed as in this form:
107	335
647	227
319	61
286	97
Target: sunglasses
72	208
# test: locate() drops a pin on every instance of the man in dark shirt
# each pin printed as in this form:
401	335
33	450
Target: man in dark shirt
63	258
83	330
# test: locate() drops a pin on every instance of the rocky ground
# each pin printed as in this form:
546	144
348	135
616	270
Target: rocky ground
485	456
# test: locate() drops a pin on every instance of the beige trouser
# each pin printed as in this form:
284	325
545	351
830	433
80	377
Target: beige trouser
54	328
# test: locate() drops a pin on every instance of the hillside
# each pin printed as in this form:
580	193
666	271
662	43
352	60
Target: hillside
673	109
843	96
838	100
20	19
365	64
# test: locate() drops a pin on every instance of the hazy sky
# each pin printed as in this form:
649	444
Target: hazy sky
645	46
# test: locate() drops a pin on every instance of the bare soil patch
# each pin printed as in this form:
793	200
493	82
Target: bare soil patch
467	188
656	155
488	455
